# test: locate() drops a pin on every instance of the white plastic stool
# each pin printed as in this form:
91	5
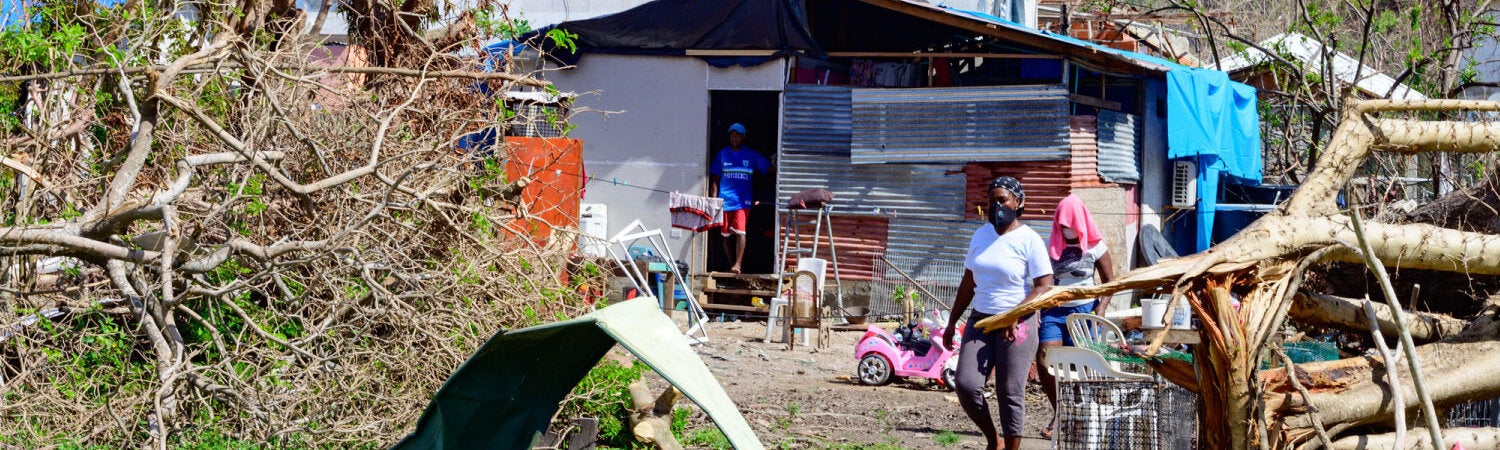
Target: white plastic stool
773	320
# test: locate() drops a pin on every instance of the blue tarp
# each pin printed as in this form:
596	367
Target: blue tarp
1214	121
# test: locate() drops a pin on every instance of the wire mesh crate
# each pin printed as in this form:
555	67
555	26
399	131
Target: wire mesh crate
1120	414
940	277
1475	414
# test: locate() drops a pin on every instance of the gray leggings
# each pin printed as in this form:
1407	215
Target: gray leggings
1011	361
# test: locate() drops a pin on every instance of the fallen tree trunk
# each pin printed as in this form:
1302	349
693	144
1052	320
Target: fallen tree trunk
1455	373
1346	314
1471	438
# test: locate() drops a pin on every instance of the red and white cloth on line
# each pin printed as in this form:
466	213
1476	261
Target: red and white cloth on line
691	212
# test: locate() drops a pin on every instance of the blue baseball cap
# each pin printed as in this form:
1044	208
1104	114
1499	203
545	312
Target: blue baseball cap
737	128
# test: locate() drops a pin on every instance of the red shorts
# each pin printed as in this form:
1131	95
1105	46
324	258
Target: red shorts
734	221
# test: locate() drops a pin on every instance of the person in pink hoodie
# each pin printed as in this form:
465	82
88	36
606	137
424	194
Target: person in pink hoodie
1078	254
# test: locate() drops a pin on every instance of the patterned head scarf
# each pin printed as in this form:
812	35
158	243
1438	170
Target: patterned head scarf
1010	184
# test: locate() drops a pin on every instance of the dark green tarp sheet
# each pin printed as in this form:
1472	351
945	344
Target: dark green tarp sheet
504	396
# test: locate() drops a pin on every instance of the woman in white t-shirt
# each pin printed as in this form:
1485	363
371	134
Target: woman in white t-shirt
1004	257
1077	252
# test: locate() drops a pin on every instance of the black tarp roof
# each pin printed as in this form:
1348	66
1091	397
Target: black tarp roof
675	27
671	27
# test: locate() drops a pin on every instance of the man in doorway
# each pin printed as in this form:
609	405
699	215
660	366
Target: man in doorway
729	179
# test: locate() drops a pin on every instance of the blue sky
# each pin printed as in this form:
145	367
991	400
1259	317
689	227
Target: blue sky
10	10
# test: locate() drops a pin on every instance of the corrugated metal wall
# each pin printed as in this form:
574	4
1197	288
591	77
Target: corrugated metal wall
1118	147
921	212
990	123
815	154
921	239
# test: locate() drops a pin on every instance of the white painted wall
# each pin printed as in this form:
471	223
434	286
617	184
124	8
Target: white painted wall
1156	171
644	124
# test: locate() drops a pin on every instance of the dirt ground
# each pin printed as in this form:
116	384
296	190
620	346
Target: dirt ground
808	398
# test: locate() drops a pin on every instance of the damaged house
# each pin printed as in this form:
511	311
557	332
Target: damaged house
902	110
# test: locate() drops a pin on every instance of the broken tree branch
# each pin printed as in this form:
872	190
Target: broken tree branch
1428	412
1392	376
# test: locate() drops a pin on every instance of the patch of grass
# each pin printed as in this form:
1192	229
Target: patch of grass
945	438
709	438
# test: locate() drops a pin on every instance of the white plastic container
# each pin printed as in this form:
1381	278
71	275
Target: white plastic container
1153	315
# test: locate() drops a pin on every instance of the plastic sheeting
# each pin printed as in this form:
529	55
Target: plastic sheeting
504	396
1213	120
671	27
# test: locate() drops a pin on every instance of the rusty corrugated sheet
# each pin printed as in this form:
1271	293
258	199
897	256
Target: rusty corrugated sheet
1118	146
1084	164
1046	183
858	239
988	123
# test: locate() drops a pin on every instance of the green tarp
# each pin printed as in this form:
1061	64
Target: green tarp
504	396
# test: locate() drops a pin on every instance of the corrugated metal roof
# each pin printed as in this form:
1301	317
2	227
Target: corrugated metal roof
991	123
1310	53
1118	147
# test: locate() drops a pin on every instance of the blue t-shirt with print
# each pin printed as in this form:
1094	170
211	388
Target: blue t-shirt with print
734	168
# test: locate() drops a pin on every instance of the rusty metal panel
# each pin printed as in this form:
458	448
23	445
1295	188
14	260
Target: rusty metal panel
1118	146
958	125
1084	163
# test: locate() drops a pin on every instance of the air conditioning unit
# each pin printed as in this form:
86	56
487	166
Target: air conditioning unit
1184	184
593	220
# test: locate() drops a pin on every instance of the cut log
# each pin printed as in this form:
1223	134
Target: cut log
651	416
1346	314
1471	438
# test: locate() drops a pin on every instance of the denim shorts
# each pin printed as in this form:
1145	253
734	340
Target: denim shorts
1054	324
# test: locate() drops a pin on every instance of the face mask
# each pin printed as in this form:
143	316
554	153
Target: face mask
1001	217
1069	234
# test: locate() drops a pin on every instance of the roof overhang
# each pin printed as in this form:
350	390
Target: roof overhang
1088	54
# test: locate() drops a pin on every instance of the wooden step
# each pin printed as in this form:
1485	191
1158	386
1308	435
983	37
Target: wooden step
754	292
744	276
717	306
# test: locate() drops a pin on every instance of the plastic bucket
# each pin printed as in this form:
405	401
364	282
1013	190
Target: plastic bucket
1152	311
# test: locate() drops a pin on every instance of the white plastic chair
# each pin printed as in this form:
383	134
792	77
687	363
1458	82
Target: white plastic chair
1081	364
1095	333
818	267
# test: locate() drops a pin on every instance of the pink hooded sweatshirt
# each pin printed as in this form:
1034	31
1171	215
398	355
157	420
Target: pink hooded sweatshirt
1072	214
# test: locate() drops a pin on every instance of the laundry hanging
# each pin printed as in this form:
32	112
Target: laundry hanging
691	212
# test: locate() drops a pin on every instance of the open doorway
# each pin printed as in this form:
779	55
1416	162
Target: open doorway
758	111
